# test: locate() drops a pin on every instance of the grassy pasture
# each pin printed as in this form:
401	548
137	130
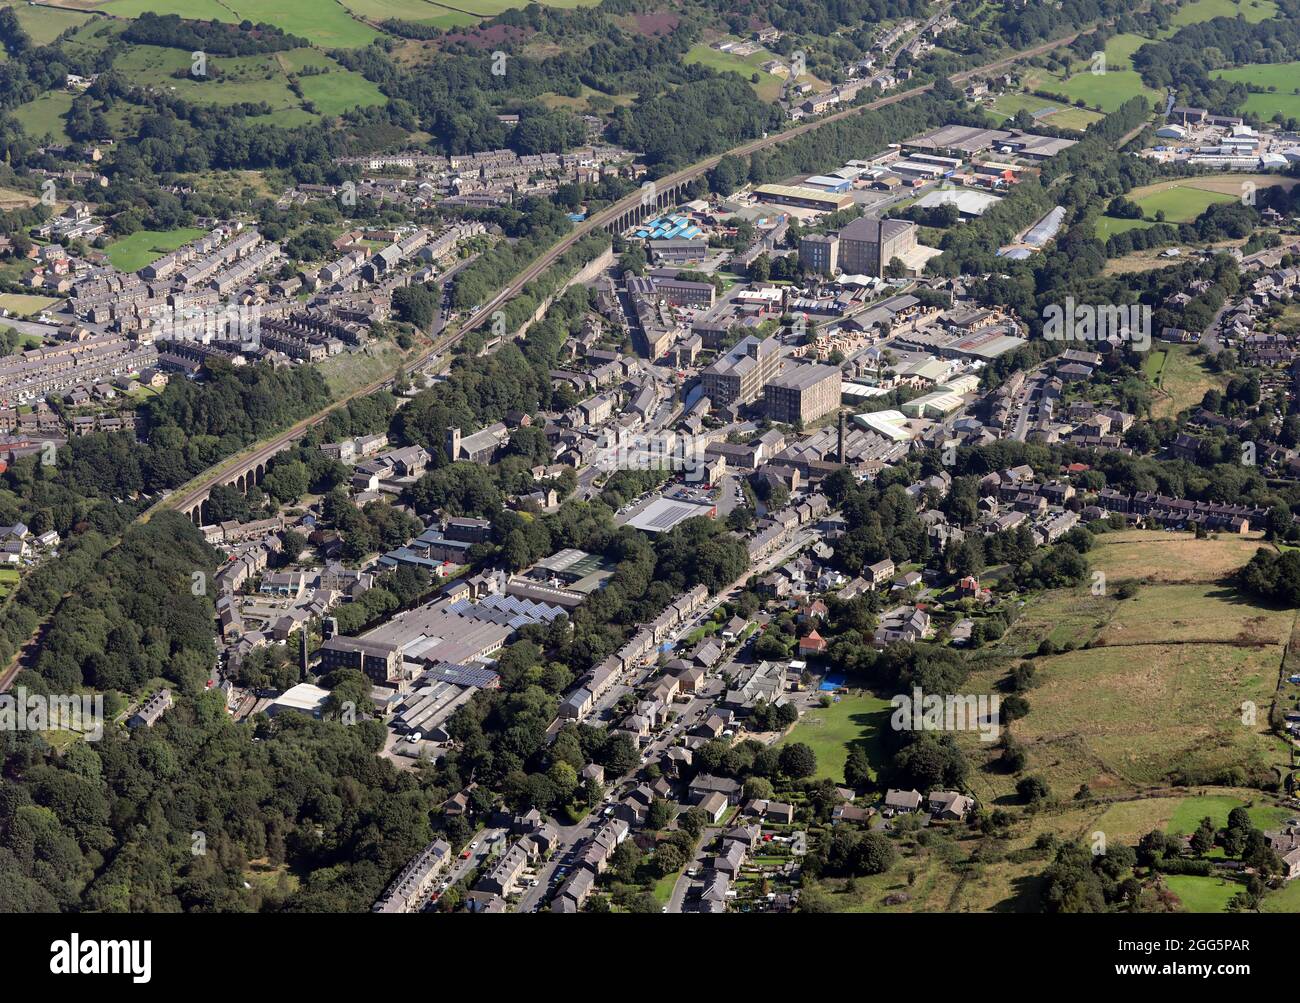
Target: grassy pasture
1252	11
1156	556
24	305
326	23
1281	79
1182	381
45	116
1052	112
1160	688
45	24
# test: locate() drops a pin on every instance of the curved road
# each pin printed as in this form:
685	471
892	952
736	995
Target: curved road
186	497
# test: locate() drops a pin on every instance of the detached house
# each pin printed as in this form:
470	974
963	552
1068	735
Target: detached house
812	644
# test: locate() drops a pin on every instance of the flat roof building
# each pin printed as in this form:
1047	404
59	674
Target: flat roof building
803	198
738	376
803	393
820	252
868	245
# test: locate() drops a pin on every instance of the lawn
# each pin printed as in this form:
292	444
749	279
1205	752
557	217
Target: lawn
23	305
1285	899
858	718
134	252
1198	894
1187	816
1155	365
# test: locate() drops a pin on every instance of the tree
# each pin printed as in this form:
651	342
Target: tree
668	859
292	544
798	760
1033	790
857	768
660	814
1202	840
416	305
758	787
876	854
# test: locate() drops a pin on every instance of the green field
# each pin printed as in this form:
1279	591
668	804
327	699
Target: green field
1182	380
1180	204
1108	226
1154	366
1187	816
1283	81
326	23
45	116
1062	116
830	731
1120	49
333	24
1106	91
1253	11
45	24
257	79
1285	899
1158	695
1181	201
134	252
768	86
490	8
23	305
335	93
419	11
